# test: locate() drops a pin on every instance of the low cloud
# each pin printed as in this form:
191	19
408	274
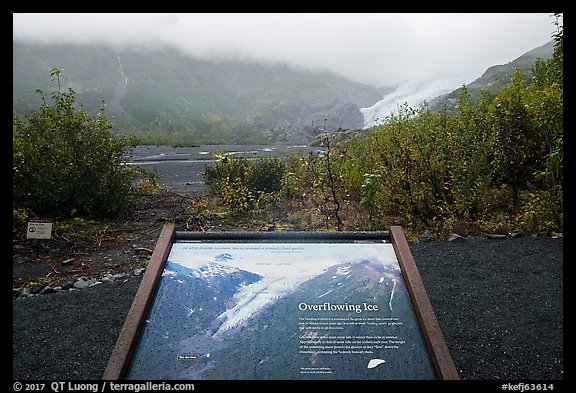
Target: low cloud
376	49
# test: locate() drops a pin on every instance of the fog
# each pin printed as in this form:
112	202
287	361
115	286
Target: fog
373	48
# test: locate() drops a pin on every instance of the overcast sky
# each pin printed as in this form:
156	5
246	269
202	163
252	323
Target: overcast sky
374	48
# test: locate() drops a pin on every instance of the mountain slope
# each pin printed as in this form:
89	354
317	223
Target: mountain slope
143	89
498	75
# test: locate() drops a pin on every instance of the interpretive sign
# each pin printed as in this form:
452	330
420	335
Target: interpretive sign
39	229
289	306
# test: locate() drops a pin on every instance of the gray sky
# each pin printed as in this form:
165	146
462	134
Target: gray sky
373	48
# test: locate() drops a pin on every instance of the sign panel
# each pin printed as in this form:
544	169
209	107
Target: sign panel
39	229
316	309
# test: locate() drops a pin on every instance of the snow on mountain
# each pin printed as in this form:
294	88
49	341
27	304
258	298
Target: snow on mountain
413	93
212	269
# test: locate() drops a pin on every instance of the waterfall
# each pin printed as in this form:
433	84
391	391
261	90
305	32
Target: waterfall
120	90
124	77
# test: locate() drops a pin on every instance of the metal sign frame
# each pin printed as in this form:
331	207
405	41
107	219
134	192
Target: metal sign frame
123	351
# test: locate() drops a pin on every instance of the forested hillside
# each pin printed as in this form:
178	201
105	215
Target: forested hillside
497	76
199	101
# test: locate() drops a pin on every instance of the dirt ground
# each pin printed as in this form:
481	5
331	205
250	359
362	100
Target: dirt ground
96	250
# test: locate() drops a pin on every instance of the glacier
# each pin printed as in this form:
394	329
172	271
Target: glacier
412	93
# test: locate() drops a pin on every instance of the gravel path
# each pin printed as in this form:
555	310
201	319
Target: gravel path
499	304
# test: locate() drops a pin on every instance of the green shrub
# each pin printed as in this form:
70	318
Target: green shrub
242	184
266	174
67	162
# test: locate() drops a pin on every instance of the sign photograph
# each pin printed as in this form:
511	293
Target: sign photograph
273	309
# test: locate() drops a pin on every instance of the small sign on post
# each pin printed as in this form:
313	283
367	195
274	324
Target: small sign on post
39	229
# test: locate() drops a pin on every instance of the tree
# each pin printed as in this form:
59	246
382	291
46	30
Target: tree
67	162
325	176
516	141
544	73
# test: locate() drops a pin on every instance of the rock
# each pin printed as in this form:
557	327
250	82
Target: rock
494	236
67	261
36	288
67	285
426	236
106	278
80	284
454	236
46	290
556	235
25	291
139	271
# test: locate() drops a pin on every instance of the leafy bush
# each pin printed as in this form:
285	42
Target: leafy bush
243	184
266	175
67	162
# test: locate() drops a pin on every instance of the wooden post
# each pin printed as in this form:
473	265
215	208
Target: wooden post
437	348
126	344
